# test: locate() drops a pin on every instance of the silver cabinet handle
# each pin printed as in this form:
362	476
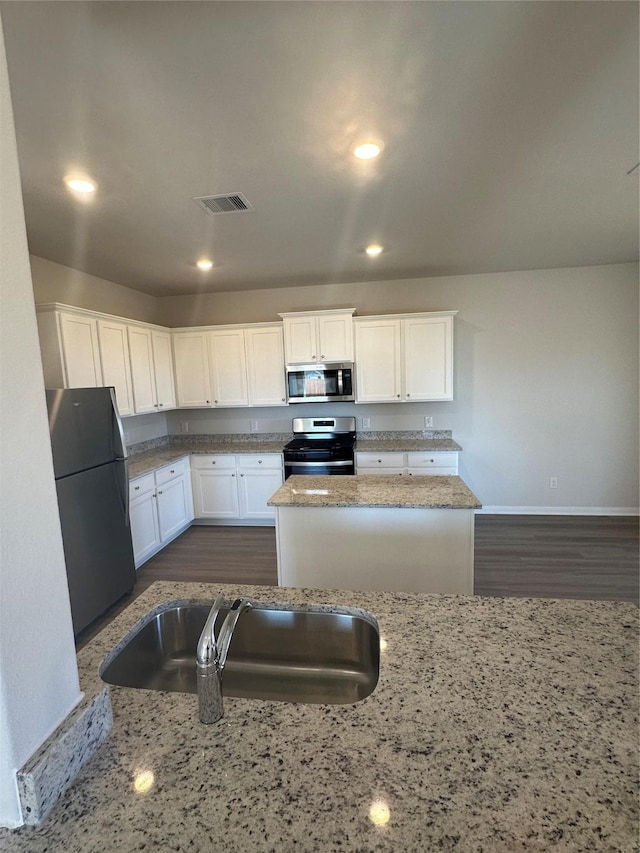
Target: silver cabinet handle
160	492
242	475
172	471
136	488
156	405
398	396
213	462
408	395
259	461
207	402
161	405
233	475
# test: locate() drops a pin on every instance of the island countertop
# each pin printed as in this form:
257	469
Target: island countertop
501	725
442	492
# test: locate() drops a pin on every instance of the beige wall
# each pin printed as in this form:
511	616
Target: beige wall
38	672
56	283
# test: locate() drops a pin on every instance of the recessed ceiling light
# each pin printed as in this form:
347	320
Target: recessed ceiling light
80	185
368	150
204	264
373	250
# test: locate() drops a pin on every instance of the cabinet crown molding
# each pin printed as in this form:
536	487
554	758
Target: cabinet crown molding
317	313
406	316
45	307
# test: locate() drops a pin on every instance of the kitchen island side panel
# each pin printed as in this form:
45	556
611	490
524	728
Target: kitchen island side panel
376	548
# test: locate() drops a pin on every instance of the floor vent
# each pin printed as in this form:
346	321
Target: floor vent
225	203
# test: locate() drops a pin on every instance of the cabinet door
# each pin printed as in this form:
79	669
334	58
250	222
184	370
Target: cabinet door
145	532
255	489
228	368
174	506
300	340
215	493
378	361
265	366
428	358
142	373
116	364
193	379
81	351
163	369
335	333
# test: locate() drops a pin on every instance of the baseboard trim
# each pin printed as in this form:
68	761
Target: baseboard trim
559	510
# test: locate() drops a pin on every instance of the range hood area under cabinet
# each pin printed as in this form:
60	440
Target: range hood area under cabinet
398	358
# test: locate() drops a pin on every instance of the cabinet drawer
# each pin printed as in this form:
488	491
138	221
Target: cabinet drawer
379	460
217	461
441	459
258	462
142	485
170	472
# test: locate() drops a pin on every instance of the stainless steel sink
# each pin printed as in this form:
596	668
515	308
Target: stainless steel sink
288	655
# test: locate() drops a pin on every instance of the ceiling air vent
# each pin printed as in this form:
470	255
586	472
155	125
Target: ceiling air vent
225	203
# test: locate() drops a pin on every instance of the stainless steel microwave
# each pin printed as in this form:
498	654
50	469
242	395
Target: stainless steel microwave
320	383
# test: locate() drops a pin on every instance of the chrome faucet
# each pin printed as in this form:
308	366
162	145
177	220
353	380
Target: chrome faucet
211	656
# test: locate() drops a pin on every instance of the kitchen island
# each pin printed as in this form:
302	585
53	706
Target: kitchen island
413	534
497	725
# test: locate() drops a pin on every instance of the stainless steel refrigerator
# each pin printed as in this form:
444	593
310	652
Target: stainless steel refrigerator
90	467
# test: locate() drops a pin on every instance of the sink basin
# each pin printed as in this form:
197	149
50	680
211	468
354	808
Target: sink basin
287	655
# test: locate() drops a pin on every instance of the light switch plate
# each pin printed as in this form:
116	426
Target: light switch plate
428	422
253	426
366	423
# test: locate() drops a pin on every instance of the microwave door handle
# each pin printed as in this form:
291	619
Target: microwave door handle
340	384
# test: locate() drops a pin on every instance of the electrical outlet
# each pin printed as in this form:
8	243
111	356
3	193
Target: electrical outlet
184	426
366	423
428	422
253	426
553	482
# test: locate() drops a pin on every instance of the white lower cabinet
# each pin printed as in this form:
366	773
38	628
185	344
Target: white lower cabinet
235	488
415	463
160	508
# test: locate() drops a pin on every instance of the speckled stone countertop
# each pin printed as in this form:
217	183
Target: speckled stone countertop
445	492
402	445
143	462
498	725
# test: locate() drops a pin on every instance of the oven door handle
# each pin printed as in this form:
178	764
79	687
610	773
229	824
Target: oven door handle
340	463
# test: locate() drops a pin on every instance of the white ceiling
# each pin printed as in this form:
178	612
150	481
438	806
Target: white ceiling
509	129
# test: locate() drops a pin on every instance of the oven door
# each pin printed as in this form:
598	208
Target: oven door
320	383
338	466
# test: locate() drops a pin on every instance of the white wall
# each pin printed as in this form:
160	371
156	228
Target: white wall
56	283
546	376
38	673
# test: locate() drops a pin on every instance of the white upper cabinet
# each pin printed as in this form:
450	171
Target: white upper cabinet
265	365
193	375
69	348
316	336
378	360
228	368
142	378
151	370
428	358
116	364
404	358
163	369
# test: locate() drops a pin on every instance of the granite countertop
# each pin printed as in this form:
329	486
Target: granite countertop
400	445
442	492
501	725
141	463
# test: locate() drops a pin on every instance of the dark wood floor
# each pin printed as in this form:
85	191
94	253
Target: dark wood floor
532	556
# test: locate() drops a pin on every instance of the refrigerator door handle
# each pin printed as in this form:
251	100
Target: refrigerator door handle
123	468
120	446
